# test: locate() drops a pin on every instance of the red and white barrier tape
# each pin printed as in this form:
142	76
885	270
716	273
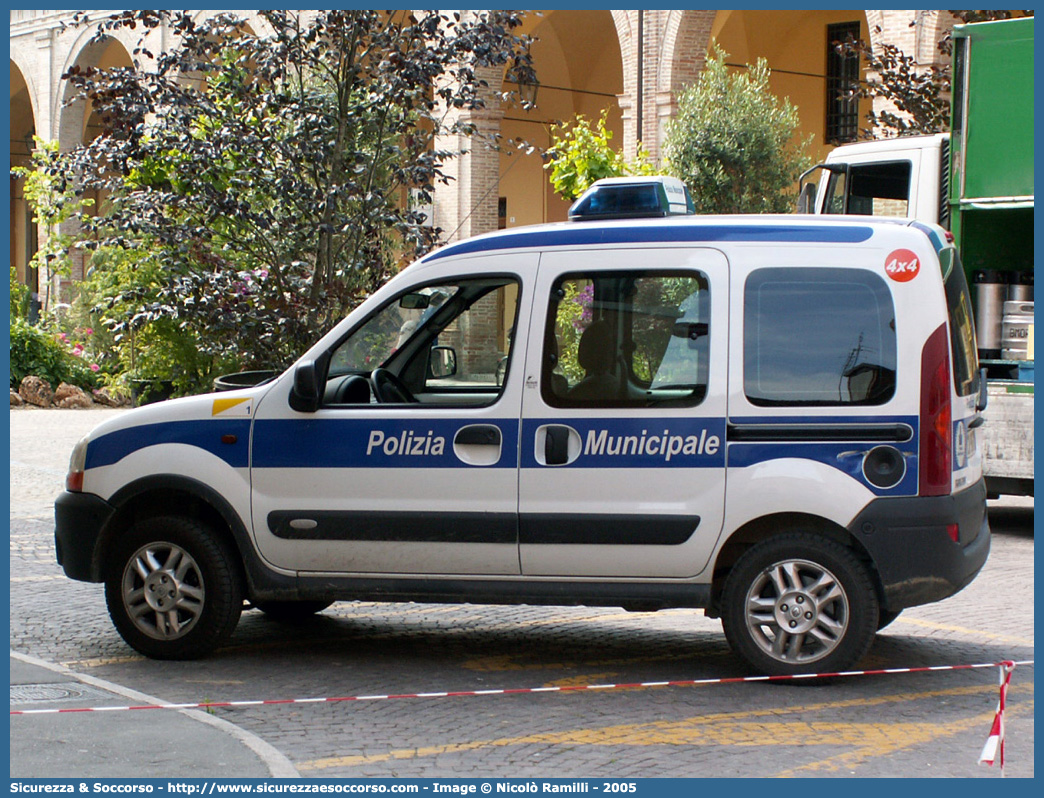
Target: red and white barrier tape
995	742
524	690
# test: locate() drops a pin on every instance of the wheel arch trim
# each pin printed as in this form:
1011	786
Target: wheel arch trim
259	576
767	526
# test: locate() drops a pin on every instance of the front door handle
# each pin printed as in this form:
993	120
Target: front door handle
478	435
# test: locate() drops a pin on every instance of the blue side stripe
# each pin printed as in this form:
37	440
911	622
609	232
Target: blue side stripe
685	442
584	235
372	443
847	458
205	434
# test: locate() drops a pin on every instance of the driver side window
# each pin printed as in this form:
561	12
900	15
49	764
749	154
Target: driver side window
439	344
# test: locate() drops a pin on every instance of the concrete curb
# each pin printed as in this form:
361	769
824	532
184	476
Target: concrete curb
279	766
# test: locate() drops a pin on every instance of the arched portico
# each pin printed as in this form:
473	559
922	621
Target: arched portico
577	58
23	240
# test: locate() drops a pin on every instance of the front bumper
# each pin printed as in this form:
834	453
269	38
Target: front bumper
79	519
916	559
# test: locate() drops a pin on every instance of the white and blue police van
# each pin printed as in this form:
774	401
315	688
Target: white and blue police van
772	418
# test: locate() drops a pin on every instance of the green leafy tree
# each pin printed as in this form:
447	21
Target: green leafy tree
268	173
55	201
582	153
734	143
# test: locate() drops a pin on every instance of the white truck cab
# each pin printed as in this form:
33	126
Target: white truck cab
772	418
901	177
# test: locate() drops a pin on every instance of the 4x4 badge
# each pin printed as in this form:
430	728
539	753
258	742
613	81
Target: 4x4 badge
902	265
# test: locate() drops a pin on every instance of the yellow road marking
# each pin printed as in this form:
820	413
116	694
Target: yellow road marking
102	661
728	728
898	737
963	630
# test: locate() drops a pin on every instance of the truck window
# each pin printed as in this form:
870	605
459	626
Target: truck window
637	339
876	189
818	337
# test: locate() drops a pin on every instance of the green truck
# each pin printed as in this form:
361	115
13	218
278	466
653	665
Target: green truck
977	181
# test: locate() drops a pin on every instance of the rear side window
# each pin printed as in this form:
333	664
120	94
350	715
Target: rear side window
818	337
627	339
962	327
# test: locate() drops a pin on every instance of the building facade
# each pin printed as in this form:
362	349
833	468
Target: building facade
631	65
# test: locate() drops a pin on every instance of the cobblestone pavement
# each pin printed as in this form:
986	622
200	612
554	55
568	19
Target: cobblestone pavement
901	725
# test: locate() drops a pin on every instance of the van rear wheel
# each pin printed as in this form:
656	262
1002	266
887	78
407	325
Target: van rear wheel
799	603
172	589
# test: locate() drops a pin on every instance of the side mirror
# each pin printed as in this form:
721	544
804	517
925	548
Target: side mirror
984	397
807	198
305	395
443	362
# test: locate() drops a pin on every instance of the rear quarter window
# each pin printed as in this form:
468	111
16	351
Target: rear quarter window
962	326
818	337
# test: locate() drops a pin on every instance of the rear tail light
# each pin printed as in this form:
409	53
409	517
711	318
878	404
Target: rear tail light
936	447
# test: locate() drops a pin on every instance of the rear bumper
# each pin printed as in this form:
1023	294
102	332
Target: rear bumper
78	522
916	559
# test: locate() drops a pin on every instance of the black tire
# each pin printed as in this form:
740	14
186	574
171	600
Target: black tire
290	611
884	617
814	586
173	589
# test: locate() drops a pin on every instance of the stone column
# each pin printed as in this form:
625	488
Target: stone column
467	205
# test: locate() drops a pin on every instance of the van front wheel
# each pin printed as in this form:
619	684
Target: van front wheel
799	603
172	589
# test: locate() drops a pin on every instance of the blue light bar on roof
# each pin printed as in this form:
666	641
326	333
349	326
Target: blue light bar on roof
632	198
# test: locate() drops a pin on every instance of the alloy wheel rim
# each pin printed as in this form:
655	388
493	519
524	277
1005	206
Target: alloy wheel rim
163	591
797	611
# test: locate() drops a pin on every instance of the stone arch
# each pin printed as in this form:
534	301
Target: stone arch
626	33
579	65
875	25
686	39
74	115
931	26
253	21
74	126
24	111
23	122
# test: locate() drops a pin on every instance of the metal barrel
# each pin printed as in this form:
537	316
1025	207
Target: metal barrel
991	291
1016	328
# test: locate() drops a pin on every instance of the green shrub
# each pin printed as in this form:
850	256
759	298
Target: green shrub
581	153
134	334
19	296
36	352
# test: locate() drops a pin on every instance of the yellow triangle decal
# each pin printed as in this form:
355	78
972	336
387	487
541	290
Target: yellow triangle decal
221	405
